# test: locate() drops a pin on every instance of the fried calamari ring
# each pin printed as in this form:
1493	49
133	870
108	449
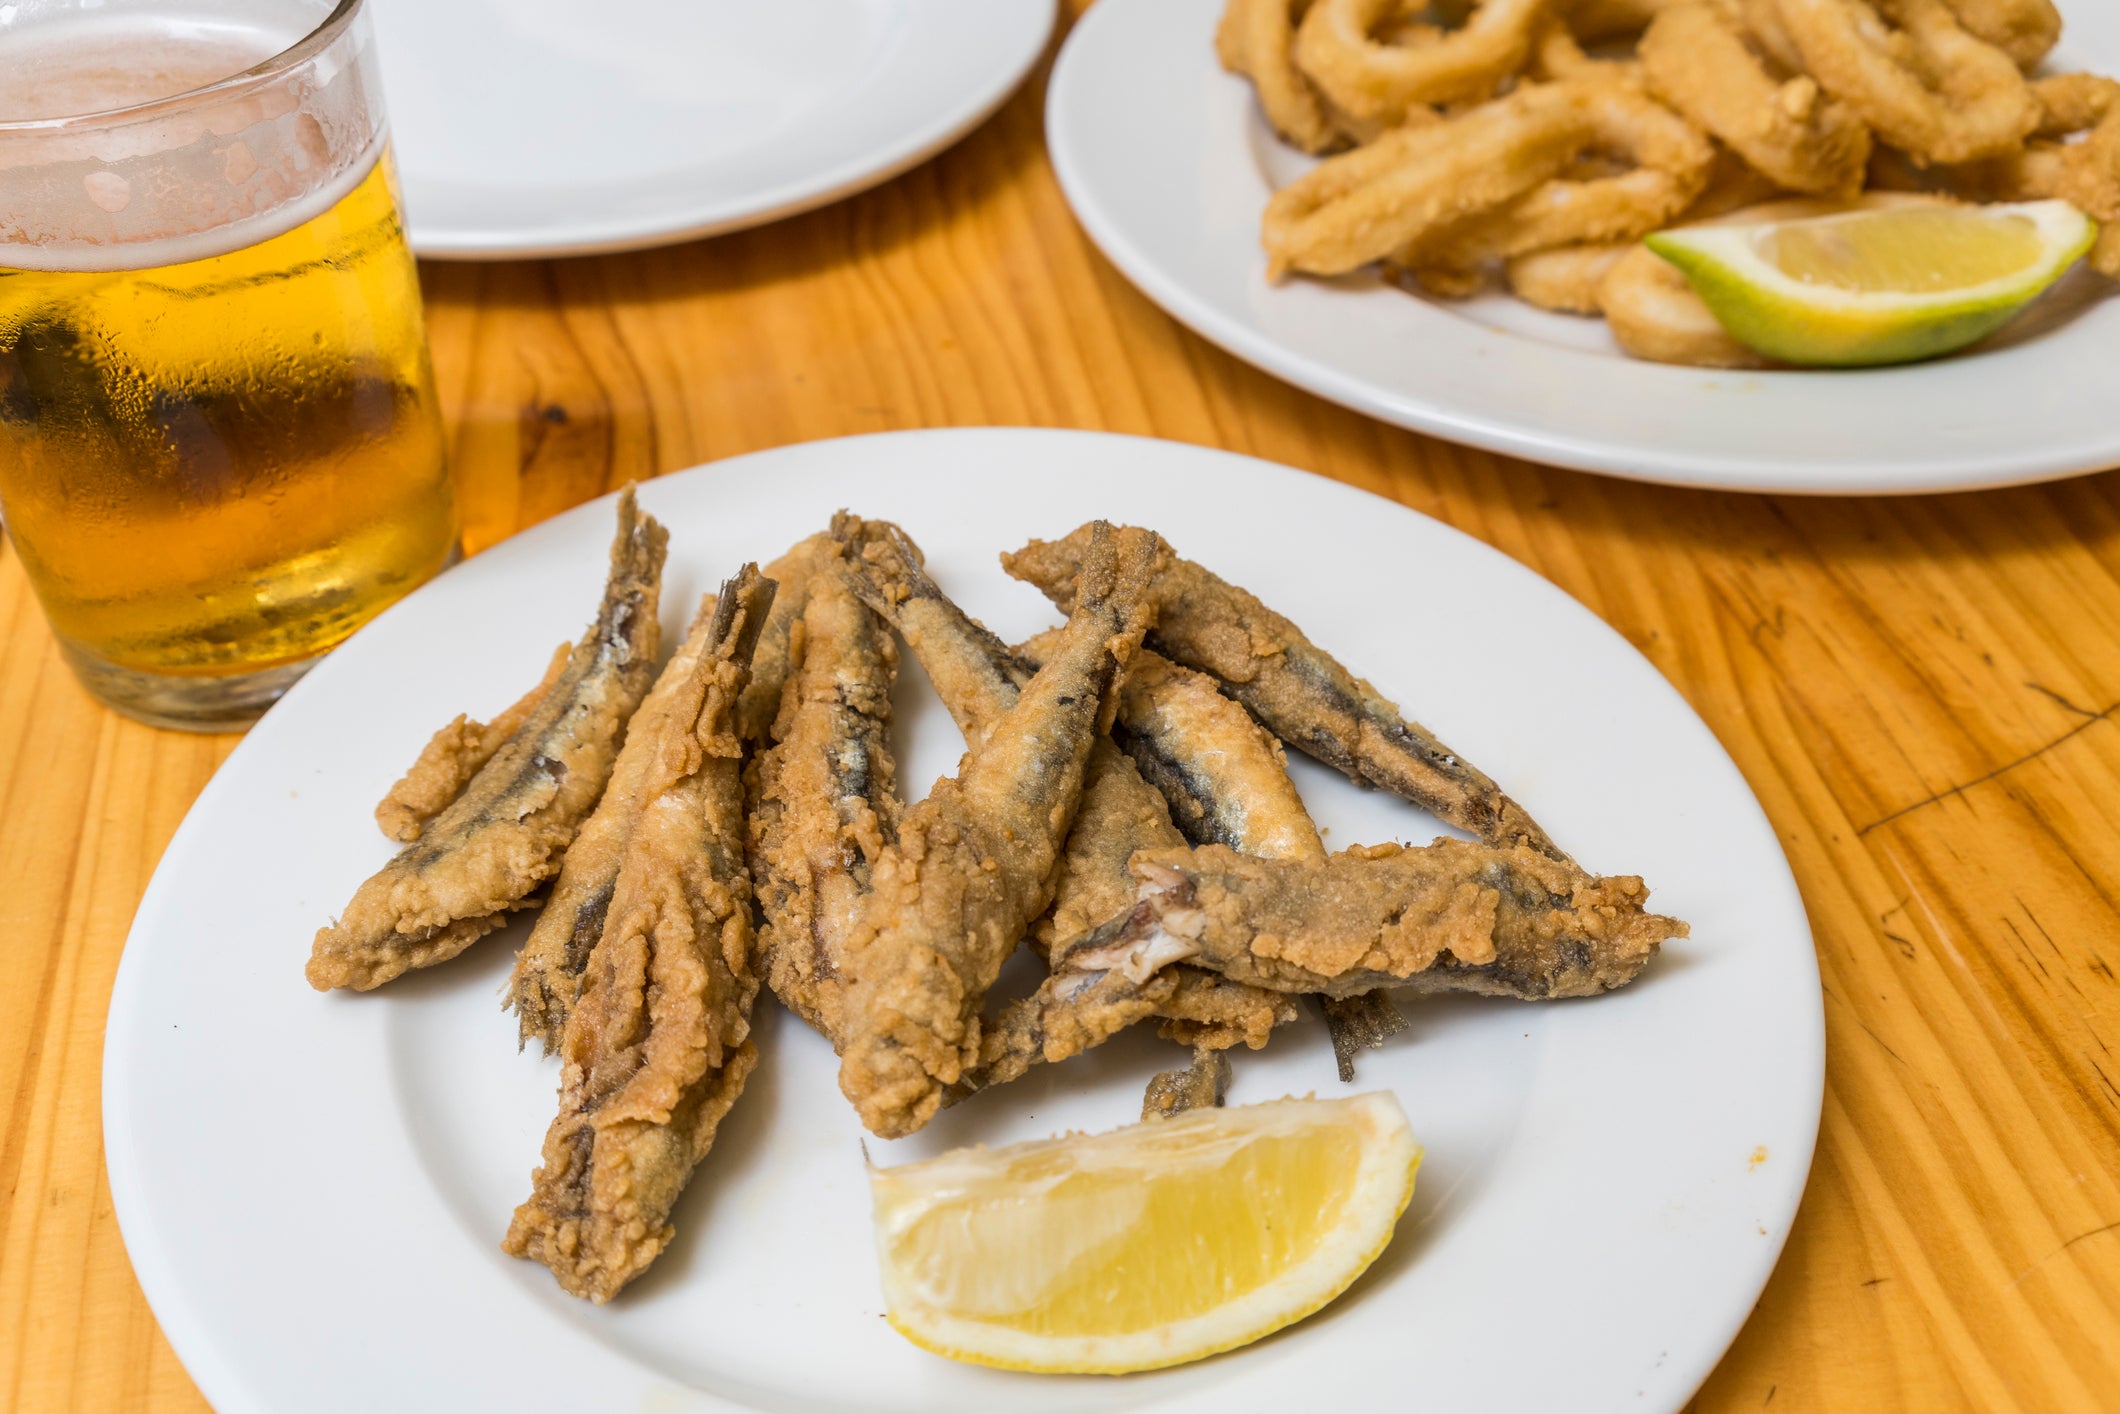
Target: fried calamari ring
1362	205
1763	26
1556	54
2090	169
1567	279
1926	86
1733	184
1256	39
2026	30
1669	159
1593	20
2084	172
2073	103
1339	48
2070	106
1696	60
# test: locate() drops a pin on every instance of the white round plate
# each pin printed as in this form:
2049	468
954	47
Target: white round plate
313	1188
1168	164
549	127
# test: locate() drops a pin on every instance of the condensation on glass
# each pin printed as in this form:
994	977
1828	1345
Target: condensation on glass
219	448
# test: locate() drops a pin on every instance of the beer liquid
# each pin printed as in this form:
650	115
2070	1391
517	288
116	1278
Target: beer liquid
231	462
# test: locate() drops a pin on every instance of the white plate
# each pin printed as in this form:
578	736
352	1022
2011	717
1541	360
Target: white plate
549	127
1168	165
313	1188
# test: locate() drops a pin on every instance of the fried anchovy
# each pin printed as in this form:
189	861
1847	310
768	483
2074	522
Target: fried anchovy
978	860
978	678
1199	1086
1227	780
657	1048
548	971
824	801
453	755
503	836
1301	693
1449	917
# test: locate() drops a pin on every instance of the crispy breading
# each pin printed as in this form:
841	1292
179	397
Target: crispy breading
504	835
453	755
657	1048
1299	692
1451	916
978	860
824	802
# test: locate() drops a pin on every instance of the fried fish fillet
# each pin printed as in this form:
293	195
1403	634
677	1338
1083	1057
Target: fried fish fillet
978	860
503	835
824	801
1300	693
453	755
657	1048
1452	916
548	971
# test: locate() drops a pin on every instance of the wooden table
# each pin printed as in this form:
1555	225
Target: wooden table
1922	691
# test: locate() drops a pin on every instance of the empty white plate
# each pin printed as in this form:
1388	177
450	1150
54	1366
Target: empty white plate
1168	164
550	127
313	1188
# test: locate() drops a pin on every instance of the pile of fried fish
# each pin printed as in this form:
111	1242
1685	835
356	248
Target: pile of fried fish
1123	807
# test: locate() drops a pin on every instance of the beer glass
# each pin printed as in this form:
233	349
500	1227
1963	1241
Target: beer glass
219	448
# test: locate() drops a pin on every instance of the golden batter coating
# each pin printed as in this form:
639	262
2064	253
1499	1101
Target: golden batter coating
453	755
548	971
978	860
979	678
1300	692
1449	917
658	1046
824	801
490	849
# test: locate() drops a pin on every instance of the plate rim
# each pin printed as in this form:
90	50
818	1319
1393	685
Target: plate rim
696	221
1643	461
211	1368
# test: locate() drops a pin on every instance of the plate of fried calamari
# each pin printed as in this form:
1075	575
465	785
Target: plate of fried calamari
1472	218
524	1013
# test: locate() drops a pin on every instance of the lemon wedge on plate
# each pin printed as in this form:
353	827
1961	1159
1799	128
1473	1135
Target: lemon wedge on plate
1152	1245
1887	285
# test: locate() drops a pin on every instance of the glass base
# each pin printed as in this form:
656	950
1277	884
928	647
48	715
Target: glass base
186	704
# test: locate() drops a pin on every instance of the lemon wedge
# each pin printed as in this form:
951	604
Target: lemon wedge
1888	285
1152	1245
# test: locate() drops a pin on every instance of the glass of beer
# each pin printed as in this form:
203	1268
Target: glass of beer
219	447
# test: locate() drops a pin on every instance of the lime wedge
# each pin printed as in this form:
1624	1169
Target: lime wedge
1877	286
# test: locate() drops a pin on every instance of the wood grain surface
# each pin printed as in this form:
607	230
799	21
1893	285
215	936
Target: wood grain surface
1924	692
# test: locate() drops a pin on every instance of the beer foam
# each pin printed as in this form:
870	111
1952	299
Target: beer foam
118	209
92	60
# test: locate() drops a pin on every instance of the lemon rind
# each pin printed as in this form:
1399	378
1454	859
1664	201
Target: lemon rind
2066	232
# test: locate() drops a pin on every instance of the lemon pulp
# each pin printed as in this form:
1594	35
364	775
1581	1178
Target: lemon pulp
1918	250
1151	1245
